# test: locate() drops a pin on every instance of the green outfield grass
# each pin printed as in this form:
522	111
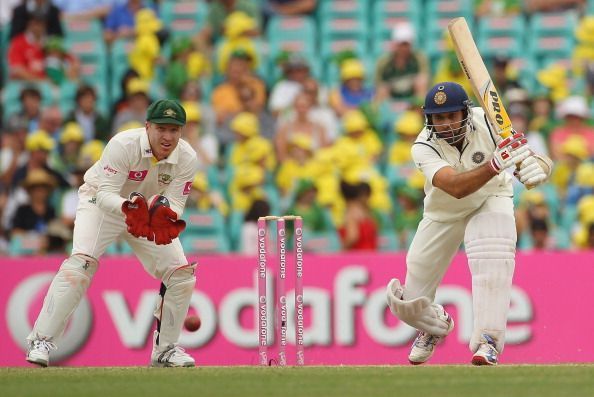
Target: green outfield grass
395	381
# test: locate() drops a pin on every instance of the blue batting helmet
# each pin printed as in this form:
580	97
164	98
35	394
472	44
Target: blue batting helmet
445	97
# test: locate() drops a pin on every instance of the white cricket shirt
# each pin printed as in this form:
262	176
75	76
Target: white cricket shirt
127	165
430	155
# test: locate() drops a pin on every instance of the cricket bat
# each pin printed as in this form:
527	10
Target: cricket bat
485	92
472	63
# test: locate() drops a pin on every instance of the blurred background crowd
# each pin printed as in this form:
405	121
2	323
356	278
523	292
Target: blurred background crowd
305	107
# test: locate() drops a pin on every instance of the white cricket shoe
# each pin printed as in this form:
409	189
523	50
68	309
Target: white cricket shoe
487	352
171	356
424	345
39	350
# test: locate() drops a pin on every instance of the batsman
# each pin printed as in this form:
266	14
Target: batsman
468	199
149	162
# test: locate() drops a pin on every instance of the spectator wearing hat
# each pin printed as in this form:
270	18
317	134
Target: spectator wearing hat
185	65
408	212
400	165
249	146
300	124
267	124
583	236
34	217
574	151
247	186
352	92
93	124
404	71
297	165
204	197
217	14
575	116
448	67
295	73
358	133
225	97
240	31
60	66
206	145
146	49
12	152
138	101
43	9
533	220
70	144
121	103
39	145
26	58
306	205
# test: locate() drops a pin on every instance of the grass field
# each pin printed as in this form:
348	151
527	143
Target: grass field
395	381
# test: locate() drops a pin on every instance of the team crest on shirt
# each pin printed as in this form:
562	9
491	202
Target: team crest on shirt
440	97
164	179
478	157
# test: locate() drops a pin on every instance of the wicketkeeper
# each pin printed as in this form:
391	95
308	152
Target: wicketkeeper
468	199
138	164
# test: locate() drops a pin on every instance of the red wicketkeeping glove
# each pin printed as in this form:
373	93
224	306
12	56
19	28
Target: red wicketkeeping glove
136	214
164	225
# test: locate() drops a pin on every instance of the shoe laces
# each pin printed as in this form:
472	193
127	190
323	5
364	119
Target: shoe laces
425	340
44	344
174	350
488	345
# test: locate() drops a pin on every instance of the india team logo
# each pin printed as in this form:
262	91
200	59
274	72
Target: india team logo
137	176
478	157
440	97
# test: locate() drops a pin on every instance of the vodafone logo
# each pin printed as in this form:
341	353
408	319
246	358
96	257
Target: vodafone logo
187	188
137	176
31	292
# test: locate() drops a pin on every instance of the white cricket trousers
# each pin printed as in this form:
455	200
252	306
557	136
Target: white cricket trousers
435	245
95	230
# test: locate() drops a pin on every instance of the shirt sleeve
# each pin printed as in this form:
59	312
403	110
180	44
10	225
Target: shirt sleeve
114	172
178	190
428	160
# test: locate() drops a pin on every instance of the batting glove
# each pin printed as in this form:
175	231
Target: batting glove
511	151
533	172
136	214
164	225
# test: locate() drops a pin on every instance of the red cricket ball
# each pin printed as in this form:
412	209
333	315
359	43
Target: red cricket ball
192	323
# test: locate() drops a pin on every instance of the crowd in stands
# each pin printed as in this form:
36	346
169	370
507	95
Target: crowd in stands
303	107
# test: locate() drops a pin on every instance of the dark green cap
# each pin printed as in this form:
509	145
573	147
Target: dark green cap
166	111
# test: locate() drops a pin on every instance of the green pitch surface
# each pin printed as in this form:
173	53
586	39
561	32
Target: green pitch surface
396	381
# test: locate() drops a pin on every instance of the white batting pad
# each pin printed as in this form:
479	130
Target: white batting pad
419	313
490	242
64	294
172	305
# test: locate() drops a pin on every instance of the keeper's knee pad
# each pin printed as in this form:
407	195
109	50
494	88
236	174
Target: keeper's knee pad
172	305
63	296
490	243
